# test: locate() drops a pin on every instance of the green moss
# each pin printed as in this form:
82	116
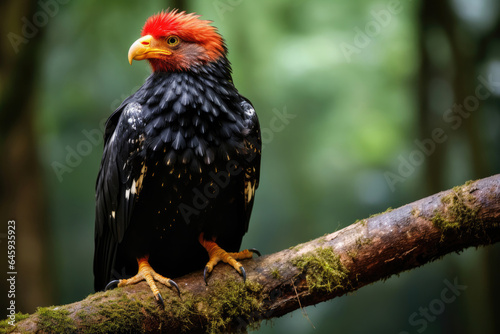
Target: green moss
183	310
229	304
352	253
54	320
5	327
227	300
389	209
468	183
363	222
232	300
82	315
360	242
297	247
276	273
415	212
363	241
324	270
122	316
459	214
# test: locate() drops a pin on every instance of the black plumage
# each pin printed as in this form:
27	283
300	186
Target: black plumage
181	157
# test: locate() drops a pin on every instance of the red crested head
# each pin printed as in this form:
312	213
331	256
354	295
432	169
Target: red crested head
176	41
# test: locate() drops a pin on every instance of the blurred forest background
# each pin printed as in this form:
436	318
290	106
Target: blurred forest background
385	101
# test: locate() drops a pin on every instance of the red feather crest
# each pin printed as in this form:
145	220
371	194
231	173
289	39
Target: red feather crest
188	27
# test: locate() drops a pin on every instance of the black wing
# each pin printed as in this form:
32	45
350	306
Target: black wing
118	183
251	164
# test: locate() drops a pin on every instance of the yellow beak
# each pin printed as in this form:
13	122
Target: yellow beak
142	49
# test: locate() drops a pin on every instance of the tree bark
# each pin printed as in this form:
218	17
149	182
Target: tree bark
332	265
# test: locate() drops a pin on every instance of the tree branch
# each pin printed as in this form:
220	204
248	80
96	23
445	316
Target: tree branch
362	253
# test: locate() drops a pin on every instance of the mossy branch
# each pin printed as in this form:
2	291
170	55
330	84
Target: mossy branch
362	253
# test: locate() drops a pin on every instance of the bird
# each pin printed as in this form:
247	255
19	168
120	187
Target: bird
180	165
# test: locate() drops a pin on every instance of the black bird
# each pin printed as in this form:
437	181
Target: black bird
181	162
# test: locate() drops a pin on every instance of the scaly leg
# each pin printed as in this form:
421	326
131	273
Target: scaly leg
146	273
217	254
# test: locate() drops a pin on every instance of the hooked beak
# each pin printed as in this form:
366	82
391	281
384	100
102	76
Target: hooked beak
142	49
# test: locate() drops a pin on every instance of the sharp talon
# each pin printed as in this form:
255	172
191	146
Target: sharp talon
175	286
205	275
243	273
253	250
111	285
159	299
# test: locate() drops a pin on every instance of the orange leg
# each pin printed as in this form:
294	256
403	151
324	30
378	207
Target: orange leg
217	254
147	273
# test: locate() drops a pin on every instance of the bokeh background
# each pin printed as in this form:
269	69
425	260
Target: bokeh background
363	85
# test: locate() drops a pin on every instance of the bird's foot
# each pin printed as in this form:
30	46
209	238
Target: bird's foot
217	254
146	272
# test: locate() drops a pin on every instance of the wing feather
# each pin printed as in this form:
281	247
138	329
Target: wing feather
251	165
117	188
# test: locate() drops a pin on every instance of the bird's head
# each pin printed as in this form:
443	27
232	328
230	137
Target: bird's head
176	41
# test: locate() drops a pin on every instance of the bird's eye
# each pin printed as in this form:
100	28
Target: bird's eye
173	40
